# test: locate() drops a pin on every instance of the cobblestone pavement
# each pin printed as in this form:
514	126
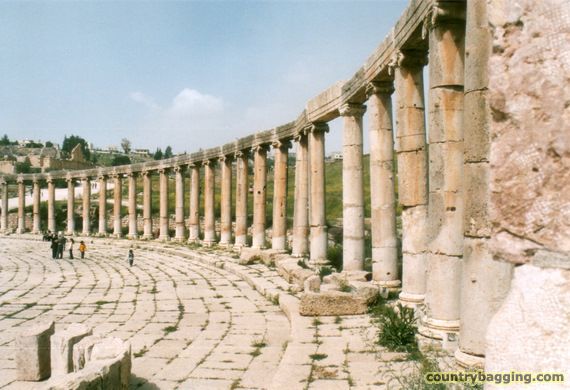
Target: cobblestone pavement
195	320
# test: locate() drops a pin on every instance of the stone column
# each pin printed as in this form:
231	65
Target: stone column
51	206
117	203
163	177
382	189
147	205
226	203
132	205
102	205
259	195
317	216
445	207
4	219
21	207
194	230
36	207
280	168
242	189
209	206
179	204
412	173
70	206
86	183
352	188
301	206
484	282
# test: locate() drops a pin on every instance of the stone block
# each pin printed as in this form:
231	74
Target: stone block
33	352
476	126
332	303
412	178
445	223
62	347
414	220
312	284
82	351
446	115
476	190
445	63
414	270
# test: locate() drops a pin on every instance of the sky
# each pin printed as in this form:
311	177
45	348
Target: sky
190	74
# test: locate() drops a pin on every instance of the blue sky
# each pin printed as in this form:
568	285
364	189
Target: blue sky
191	74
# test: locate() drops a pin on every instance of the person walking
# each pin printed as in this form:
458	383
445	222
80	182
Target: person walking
82	249
61	245
131	257
54	247
71	242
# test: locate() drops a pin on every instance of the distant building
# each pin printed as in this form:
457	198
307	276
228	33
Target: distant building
141	152
335	156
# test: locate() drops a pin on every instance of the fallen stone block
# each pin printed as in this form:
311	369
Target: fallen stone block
82	351
332	303
33	360
62	347
312	284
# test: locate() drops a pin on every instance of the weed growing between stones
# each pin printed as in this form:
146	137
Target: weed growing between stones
257	344
324	271
318	356
397	327
170	329
344	286
301	263
141	352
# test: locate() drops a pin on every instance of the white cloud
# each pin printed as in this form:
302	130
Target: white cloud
141	98
190	102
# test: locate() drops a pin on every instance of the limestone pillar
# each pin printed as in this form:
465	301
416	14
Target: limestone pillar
102	205
36	228
21	206
280	168
412	173
194	230
147	205
242	189
484	282
209	206
445	207
4	219
86	183
132	205
301	206
317	216
163	178
51	206
382	189
259	195
180	234
352	188
117	204
226	202
70	207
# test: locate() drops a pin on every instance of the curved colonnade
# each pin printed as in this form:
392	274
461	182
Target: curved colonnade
434	168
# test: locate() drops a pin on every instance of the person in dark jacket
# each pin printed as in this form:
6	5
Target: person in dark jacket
61	246
54	247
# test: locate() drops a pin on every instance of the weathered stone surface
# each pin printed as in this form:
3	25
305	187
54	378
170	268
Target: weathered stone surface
33	352
332	303
62	347
312	284
82	351
412	165
476	216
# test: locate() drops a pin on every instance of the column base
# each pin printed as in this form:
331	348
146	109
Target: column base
117	235
411	300
20	231
240	241
316	263
102	234
132	236
179	239
209	243
163	237
147	237
279	243
441	331
86	234
469	361
389	284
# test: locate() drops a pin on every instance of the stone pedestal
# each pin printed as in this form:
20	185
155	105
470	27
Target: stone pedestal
117	204
4	216
70	207
32	350
21	207
147	205
259	195
382	190
279	235
163	181
180	234
352	188
317	219
209	203
51	206
301	207
86	197
132	206
194	228
241	198
103	206
62	347
36	221
226	201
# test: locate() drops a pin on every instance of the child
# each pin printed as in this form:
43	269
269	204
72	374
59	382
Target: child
82	249
131	257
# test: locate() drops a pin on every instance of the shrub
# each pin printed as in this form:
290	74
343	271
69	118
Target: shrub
324	271
397	327
334	256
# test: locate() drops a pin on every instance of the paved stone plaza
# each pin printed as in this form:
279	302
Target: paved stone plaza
191	323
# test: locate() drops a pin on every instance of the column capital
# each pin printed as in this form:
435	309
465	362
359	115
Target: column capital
444	11
115	176
281	144
179	168
352	109
70	179
384	87
316	127
85	178
260	148
102	177
164	170
208	163
411	58
242	153
132	174
226	157
20	179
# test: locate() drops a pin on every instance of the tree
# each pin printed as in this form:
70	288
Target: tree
126	145
5	141
70	142
168	152
158	154
49	144
120	160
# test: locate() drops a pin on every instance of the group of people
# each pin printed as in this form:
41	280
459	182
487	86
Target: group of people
58	245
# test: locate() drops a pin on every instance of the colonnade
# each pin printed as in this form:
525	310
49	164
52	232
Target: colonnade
437	247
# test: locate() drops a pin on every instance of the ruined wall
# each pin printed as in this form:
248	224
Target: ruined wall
530	182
